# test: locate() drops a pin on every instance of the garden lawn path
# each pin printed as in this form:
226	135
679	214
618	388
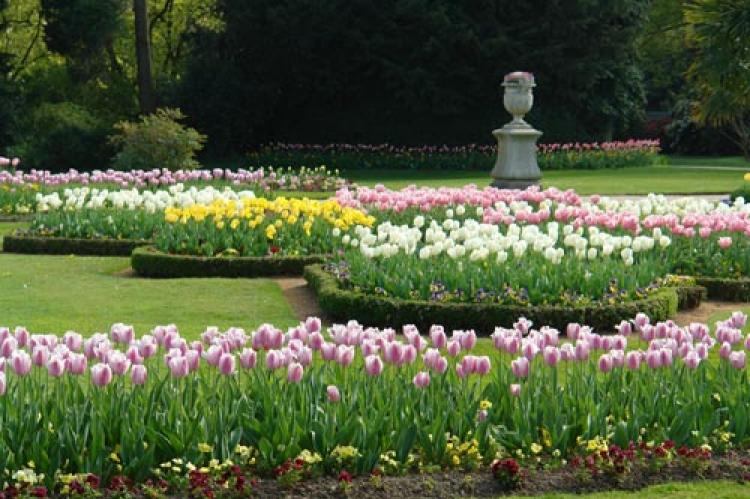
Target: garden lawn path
53	294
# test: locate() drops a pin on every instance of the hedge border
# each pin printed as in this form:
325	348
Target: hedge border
726	289
17	218
149	262
40	245
339	304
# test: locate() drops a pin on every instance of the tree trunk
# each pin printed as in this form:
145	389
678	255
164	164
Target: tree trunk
143	57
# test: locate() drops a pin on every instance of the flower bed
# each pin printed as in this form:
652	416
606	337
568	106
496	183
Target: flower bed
468	157
339	303
29	244
149	262
161	413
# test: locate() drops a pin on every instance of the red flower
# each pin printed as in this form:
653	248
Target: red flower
275	249
39	492
345	476
93	481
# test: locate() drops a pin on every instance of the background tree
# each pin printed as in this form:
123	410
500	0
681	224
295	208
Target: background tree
143	57
718	32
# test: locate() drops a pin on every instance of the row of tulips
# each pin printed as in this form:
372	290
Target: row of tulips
121	404
471	156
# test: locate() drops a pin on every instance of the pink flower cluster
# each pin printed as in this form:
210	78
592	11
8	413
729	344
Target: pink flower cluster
620	145
426	198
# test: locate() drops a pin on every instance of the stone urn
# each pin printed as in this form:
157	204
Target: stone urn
516	166
519	95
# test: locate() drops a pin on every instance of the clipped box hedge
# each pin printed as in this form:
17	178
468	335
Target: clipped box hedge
726	289
26	217
149	262
340	304
19	243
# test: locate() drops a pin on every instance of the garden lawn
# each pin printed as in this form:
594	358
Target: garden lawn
87	294
709	161
637	180
696	490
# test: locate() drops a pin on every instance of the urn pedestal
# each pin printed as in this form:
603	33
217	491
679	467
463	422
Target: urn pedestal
516	166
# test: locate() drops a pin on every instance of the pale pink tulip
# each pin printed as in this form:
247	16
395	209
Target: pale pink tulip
333	394
551	356
138	374
294	372
8	346
56	366
606	363
119	363
328	351
40	355
454	348
737	360
520	367
227	364
76	364
633	360
178	366
421	379
692	359
373	365
345	355
193	359
438	337
725	350
483	365
101	375
725	242
21	362
248	358
313	325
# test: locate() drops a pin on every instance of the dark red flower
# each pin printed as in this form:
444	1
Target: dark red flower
345	476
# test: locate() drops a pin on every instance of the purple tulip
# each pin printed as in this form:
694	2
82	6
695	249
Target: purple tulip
294	372
515	390
193	359
468	339
653	359
520	367
633	360
248	358
725	350
56	366
21	363
101	375
138	374
178	366
373	365
316	340
409	354
333	394
441	365
213	354
227	365
606	363
421	379
737	360
313	325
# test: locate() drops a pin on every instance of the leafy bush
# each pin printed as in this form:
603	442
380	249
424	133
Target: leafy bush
157	141
62	136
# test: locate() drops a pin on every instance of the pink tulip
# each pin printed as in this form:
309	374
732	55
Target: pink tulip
138	374
738	320
313	325
227	365
316	341
573	330
373	365
213	354
653	359
737	360
21	362
520	367
438	337
40	355
640	321
248	358
409	354
119	363
8	346
179	367
725	242
633	360
454	348
193	359
692	359
56	366
666	357
133	355
625	328
468	339
483	365
328	351
725	350
441	365
421	379
101	375
582	350
345	355
606	363
76	364
22	336
512	345
333	394
275	359
294	372
515	390
551	356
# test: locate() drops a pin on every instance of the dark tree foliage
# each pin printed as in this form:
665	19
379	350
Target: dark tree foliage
84	31
8	93
411	71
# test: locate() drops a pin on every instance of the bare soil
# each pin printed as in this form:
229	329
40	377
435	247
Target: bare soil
300	296
705	310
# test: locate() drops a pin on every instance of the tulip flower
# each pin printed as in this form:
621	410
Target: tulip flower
248	358
3	384
101	375
138	374
56	366
520	367
605	363
373	365
737	360
421	379
294	372
21	362
333	394
178	367
227	364
515	390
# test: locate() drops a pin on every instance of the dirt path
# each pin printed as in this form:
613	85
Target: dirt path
299	295
706	310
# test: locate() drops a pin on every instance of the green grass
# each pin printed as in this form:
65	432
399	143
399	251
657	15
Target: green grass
725	161
636	180
87	294
716	489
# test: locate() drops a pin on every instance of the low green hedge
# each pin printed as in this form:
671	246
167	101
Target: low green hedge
726	289
340	304
19	243
149	262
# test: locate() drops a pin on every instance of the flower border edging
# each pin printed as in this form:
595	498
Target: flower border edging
16	243
340	304
147	261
